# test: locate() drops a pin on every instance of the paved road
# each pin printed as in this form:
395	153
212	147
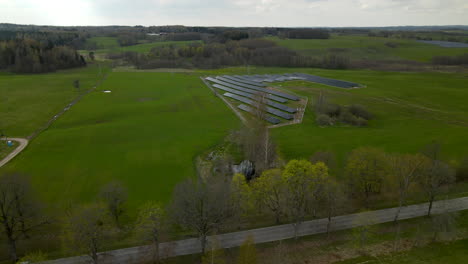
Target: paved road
22	144
268	234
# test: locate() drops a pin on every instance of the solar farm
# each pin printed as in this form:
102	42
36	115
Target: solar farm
254	95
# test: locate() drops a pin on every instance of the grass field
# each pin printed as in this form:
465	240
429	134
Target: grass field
28	101
146	133
364	47
411	110
437	253
5	149
110	44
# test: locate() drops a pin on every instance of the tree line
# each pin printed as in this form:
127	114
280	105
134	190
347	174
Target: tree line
258	52
217	201
31	56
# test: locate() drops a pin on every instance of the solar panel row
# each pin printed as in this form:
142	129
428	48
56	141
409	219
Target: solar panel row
268	118
234	78
253	97
272	97
284	95
270	110
300	76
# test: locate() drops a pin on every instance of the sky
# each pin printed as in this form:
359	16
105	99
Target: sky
269	13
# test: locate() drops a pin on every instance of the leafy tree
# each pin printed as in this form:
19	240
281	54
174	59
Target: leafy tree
247	252
303	180
19	211
269	191
241	197
114	194
365	169
150	224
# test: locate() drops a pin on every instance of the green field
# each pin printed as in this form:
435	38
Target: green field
437	253
411	110
103	42
110	45
363	47
28	101
146	133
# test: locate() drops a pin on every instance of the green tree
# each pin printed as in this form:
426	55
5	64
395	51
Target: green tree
247	252
150	224
366	169
269	190
241	197
303	180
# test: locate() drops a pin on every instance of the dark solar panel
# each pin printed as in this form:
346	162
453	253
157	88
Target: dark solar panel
253	97
288	96
243	81
269	96
328	81
270	110
268	118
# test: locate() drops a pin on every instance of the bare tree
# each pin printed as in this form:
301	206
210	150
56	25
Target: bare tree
19	211
405	171
114	195
331	198
86	230
201	207
257	144
150	224
435	180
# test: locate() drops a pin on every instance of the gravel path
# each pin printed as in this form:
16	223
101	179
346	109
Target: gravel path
22	144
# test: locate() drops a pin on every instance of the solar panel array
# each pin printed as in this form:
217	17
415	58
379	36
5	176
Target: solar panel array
269	96
251	96
299	76
270	110
234	78
280	94
268	118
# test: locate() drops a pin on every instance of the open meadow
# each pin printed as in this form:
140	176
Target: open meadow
374	48
146	134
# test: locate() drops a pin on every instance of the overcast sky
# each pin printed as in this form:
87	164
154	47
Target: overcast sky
281	13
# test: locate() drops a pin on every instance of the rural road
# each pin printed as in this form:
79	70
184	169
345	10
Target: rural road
22	144
269	234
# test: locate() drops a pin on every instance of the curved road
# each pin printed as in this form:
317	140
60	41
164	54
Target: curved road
22	144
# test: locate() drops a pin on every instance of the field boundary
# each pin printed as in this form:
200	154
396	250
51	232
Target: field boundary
59	114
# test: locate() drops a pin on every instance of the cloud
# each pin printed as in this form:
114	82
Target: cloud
236	12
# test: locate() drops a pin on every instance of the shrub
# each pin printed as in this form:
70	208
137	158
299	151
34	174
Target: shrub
332	110
324	120
360	111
